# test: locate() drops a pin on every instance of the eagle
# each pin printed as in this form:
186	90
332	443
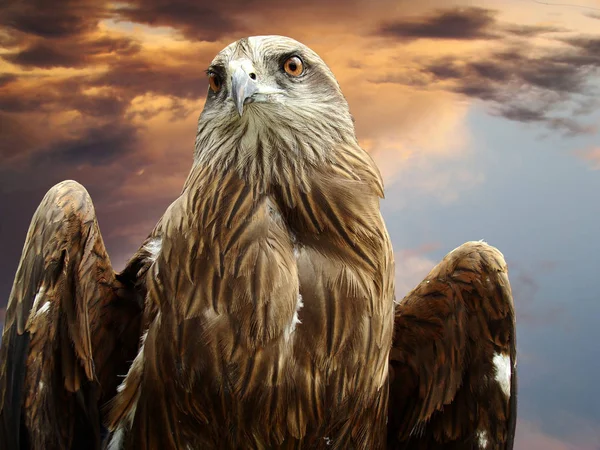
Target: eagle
260	311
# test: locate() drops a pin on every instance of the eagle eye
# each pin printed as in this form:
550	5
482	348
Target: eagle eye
293	66
215	82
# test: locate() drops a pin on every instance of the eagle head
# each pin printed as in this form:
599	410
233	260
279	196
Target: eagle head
270	95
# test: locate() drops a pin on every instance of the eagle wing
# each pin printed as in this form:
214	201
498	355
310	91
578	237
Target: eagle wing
453	381
72	326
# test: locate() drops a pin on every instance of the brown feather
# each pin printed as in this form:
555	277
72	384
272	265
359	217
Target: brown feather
451	335
68	304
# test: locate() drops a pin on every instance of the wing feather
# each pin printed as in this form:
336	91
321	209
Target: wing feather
71	328
453	360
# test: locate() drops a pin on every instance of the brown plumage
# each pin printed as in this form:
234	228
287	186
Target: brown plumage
260	311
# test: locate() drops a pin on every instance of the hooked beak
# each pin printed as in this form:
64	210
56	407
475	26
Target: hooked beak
243	87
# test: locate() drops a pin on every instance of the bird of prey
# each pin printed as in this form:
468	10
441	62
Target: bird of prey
260	311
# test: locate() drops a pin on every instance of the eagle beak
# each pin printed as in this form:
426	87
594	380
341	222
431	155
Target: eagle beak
243	87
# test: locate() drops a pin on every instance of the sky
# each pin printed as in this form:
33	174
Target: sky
484	118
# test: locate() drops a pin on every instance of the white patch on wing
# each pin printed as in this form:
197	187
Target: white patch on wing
502	366
482	439
122	386
116	440
295	319
38	297
44	309
153	247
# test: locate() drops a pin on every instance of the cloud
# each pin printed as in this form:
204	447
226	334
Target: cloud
530	30
7	78
63	19
593	15
96	146
532	73
460	23
44	55
527	84
136	76
195	20
591	156
525	283
420	142
457	23
72	52
412	265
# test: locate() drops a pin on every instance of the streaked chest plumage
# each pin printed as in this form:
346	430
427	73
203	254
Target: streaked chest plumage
271	309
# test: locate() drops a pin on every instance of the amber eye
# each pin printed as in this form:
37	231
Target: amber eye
294	66
215	82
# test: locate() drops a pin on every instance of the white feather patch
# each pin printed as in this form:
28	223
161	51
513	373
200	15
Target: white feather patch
44	309
38	297
482	439
295	319
502	366
116	440
153	247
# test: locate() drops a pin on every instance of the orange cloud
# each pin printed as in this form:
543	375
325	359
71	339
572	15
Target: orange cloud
591	156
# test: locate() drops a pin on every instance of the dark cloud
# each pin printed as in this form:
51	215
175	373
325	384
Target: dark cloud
444	68
490	70
195	20
107	93
59	19
530	30
566	72
105	104
588	46
28	115
46	56
49	96
567	126
44	95
529	86
138	76
72	53
461	24
7	78
98	145
458	23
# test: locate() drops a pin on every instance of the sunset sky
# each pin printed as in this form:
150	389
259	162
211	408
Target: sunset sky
484	118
